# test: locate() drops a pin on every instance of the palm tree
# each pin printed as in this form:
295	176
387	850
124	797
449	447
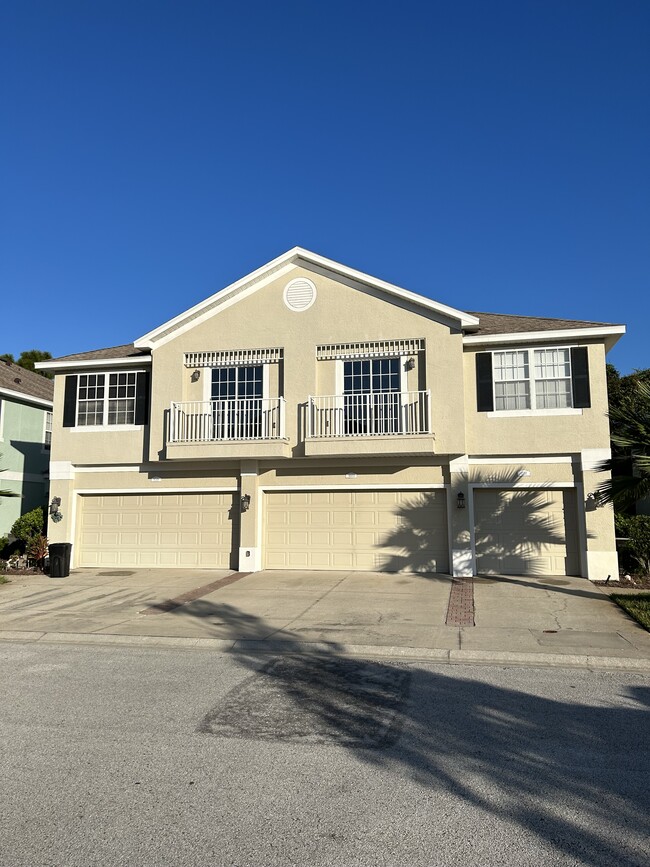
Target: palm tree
630	463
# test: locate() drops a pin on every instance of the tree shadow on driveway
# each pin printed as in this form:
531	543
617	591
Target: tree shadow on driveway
574	774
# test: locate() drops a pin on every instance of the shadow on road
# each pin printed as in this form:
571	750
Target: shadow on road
572	774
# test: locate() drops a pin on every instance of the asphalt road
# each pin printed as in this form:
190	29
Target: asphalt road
117	756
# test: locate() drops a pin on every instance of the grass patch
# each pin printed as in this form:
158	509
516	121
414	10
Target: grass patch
637	606
4	579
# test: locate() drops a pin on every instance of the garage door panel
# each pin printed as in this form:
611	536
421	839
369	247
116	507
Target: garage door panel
157	530
526	532
358	530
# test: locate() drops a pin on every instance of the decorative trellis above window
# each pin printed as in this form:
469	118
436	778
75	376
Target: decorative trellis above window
369	349
233	357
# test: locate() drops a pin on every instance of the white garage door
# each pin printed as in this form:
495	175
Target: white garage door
526	532
157	530
379	531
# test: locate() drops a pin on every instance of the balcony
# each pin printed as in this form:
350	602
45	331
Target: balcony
239	427
390	422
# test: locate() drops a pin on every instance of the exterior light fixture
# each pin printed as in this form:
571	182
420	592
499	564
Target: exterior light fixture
594	501
245	502
55	514
196	376
460	500
410	364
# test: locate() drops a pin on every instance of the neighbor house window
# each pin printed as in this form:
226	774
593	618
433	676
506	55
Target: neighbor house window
47	431
553	378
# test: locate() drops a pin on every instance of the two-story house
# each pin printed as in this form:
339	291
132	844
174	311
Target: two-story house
310	416
25	434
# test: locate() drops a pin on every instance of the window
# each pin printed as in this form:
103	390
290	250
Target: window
236	395
47	432
100	403
97	400
371	396
539	379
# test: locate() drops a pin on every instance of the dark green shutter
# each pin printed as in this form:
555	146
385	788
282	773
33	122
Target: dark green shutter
484	393
142	399
70	402
580	377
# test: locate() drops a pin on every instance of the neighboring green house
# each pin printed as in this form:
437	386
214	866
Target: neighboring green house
25	435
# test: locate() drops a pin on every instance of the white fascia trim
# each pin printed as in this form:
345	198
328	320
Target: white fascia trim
267	489
229	302
106	363
465	319
523	459
155	490
26	398
544	336
289	258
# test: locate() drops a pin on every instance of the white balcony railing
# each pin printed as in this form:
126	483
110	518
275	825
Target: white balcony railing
386	413
208	421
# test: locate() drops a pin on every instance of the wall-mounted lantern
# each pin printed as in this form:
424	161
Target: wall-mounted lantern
460	500
594	501
409	364
245	502
196	376
55	514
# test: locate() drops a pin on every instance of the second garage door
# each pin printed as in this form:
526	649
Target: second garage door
526	532
378	531
157	530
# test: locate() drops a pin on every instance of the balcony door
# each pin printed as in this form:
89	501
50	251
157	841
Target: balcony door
237	402
371	396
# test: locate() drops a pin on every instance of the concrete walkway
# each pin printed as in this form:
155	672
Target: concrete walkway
543	621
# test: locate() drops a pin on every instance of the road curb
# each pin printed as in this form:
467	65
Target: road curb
395	652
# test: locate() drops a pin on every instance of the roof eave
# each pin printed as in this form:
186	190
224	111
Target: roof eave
135	361
26	398
609	333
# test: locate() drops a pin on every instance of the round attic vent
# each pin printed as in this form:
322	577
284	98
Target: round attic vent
299	294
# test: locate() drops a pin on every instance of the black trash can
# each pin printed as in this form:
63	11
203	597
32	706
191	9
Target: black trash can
60	559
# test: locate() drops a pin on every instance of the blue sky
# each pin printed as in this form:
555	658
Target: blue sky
491	155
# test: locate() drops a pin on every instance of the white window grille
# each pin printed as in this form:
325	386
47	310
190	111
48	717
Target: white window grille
541	383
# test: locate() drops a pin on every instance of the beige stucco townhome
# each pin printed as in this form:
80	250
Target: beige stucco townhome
310	416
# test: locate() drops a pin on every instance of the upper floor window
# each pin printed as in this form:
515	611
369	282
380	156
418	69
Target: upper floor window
106	398
544	384
47	432
549	378
98	399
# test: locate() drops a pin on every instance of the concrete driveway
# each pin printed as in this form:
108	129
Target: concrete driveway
401	615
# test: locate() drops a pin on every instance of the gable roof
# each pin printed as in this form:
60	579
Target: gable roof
16	381
276	267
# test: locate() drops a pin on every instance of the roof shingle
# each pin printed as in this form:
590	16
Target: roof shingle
504	323
15	378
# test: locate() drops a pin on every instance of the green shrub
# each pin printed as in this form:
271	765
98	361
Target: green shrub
30	525
636	530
